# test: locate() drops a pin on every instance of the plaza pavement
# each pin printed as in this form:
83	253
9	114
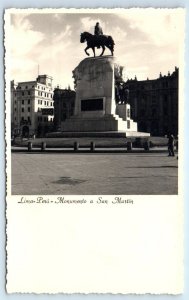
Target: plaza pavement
94	173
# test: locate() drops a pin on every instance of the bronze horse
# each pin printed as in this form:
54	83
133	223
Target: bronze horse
97	41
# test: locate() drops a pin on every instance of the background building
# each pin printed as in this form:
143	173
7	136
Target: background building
64	102
154	104
32	110
35	110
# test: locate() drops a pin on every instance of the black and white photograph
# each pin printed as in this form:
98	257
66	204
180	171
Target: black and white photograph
94	102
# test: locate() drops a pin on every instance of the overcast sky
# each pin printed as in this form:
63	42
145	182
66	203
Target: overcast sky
147	41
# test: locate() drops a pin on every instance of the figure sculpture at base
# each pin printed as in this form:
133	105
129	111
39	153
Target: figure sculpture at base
121	93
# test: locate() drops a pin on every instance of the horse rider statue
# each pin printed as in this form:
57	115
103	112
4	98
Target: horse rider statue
97	40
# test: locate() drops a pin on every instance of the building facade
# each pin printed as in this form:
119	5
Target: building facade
32	106
154	104
64	102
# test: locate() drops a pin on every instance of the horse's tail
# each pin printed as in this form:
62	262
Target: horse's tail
110	40
111	44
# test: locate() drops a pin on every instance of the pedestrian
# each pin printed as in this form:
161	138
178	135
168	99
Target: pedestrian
171	141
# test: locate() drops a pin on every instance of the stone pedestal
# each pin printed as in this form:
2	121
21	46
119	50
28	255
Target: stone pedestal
95	87
95	108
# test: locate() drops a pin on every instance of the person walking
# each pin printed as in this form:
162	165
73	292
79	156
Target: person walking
171	142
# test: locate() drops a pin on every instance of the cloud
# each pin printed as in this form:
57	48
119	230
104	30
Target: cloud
146	42
24	39
162	26
23	42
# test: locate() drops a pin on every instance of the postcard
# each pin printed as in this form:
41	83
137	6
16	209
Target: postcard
94	157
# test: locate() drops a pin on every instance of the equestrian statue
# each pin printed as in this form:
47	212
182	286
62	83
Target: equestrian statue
97	40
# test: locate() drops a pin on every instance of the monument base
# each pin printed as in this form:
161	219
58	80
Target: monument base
96	112
98	134
106	126
105	123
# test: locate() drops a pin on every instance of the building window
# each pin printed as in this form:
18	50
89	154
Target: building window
154	112
15	94
26	86
15	118
22	118
28	109
165	98
142	112
28	92
15	109
45	103
28	101
128	113
29	120
22	93
22	109
128	124
165	111
22	101
153	100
